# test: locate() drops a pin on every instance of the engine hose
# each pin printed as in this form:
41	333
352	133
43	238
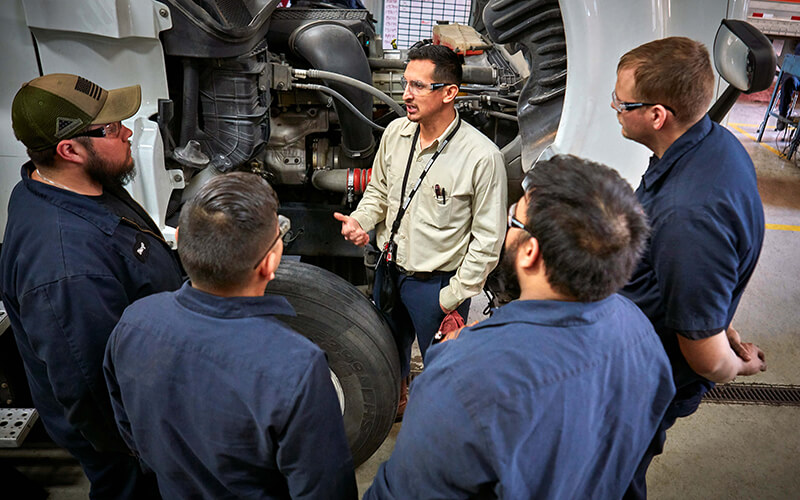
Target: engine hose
362	176
336	77
488	99
343	100
341	180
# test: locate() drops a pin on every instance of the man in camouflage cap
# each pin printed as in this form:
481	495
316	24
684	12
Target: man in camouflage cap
77	250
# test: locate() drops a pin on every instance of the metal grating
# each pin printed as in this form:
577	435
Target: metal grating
758	394
320	14
15	423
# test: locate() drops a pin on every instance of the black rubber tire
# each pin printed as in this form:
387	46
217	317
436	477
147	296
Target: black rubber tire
361	351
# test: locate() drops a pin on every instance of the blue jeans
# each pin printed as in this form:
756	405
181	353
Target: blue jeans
417	313
683	404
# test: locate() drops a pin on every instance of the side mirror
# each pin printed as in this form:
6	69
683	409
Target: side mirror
744	57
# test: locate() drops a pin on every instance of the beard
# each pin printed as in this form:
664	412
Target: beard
503	281
108	174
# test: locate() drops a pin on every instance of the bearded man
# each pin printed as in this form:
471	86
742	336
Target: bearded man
78	250
559	393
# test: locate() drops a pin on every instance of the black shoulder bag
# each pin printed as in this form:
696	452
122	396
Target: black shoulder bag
387	287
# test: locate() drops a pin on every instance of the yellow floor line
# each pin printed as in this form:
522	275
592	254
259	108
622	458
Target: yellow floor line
749	125
769	148
783	227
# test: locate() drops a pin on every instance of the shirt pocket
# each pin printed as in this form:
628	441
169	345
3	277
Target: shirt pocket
445	208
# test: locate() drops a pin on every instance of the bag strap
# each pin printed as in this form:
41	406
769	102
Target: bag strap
404	206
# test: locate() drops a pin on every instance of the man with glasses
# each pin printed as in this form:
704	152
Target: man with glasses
209	388
77	250
701	197
558	394
450	238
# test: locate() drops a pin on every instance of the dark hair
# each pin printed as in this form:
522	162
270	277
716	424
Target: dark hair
47	157
590	227
446	62
226	228
675	72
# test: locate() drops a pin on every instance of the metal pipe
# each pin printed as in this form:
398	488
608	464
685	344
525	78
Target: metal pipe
487	99
470	73
502	116
342	180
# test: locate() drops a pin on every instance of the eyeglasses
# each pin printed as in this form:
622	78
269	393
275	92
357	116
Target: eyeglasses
284	225
110	130
514	222
621	106
417	87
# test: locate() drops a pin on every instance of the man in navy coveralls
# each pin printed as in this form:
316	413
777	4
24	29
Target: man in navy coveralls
209	388
558	394
77	251
702	201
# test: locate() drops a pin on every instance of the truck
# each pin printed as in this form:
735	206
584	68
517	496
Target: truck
299	95
779	20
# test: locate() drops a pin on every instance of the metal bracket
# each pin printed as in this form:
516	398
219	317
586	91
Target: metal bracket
176	179
5	323
281	77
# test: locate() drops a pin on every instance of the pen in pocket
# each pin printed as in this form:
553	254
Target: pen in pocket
441	197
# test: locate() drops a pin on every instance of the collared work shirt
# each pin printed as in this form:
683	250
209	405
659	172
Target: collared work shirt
222	400
707	224
68	269
545	400
462	233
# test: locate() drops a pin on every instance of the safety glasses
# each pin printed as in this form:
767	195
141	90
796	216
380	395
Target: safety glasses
110	130
621	106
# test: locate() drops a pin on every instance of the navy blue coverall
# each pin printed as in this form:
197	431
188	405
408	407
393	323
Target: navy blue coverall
545	399
707	221
223	401
68	269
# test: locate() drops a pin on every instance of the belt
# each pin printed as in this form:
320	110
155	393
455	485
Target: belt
422	275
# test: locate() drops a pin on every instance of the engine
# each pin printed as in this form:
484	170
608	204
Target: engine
300	96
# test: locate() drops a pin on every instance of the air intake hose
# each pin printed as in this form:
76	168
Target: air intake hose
332	47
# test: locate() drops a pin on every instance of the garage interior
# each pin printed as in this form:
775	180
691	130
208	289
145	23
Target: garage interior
733	450
743	441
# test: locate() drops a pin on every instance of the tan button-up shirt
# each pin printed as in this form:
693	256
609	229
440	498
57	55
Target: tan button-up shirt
462	230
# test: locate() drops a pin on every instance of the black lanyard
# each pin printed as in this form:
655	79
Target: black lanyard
404	206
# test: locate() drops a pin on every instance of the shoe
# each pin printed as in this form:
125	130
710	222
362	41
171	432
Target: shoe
780	126
401	405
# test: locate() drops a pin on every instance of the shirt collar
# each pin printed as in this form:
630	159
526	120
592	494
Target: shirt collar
410	127
660	166
549	313
232	307
80	205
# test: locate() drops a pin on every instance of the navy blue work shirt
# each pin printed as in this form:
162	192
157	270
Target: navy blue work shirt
707	224
222	400
68	269
546	400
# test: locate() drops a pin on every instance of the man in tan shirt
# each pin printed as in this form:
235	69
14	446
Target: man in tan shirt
450	237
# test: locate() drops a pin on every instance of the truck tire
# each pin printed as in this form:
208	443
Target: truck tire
361	351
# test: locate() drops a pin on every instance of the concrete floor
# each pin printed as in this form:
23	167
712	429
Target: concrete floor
722	451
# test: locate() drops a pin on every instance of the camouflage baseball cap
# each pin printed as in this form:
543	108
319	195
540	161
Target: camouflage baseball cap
55	107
